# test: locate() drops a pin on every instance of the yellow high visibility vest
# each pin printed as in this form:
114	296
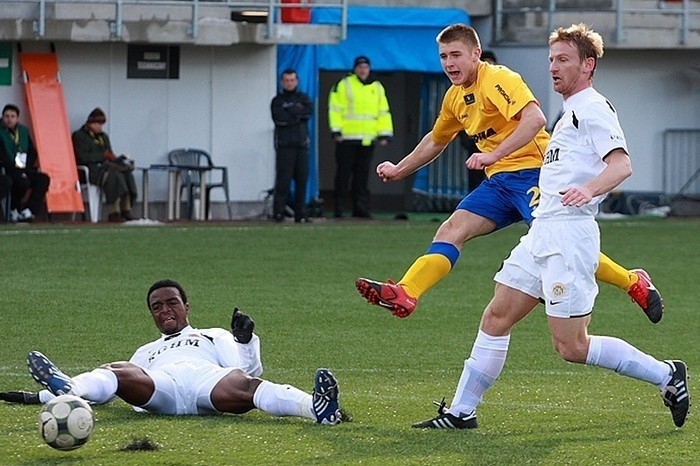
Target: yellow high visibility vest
359	111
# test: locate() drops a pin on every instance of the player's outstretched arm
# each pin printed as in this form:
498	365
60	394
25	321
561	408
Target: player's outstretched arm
242	326
425	152
21	397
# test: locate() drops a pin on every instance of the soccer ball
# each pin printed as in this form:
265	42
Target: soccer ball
66	422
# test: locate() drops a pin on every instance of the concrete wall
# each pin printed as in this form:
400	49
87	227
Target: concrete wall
220	104
652	91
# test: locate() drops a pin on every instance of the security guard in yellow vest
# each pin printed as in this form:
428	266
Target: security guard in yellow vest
358	115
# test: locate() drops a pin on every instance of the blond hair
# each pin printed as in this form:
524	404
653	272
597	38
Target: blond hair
459	32
588	42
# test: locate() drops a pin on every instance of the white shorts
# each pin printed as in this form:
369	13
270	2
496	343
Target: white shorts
556	261
192	395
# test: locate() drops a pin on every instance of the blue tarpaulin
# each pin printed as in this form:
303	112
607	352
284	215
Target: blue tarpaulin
395	39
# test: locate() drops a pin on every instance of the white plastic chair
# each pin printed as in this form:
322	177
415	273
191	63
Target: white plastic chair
92	192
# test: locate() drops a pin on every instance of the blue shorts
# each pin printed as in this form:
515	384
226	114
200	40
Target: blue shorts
506	197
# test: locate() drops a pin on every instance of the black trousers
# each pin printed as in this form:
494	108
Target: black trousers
353	162
5	196
38	183
291	163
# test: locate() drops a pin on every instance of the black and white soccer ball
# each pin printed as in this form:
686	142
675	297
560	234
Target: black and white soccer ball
66	422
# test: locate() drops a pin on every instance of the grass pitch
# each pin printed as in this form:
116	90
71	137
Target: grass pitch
77	293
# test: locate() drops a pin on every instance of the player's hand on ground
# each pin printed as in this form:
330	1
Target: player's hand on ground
242	326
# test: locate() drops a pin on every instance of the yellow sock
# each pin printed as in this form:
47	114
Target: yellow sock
614	274
425	272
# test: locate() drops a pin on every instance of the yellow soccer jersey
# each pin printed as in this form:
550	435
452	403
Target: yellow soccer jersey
485	111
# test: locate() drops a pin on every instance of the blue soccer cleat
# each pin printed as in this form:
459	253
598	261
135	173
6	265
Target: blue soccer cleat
47	374
325	398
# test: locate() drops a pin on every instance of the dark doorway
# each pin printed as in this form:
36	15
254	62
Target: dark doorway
403	93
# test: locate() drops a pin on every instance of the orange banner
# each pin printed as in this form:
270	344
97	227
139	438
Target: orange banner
51	131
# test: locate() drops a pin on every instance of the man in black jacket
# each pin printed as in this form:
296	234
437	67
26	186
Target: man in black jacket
291	111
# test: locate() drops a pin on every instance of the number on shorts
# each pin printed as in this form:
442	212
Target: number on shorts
535	199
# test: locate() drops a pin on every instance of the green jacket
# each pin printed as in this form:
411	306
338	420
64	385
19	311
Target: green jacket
9	148
95	150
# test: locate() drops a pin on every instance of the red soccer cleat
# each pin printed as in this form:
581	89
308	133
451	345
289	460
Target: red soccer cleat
387	295
645	294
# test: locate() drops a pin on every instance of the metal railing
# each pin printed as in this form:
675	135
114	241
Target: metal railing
681	156
445	181
687	10
271	8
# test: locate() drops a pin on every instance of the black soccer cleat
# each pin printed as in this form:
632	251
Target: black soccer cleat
446	420
21	397
242	326
676	395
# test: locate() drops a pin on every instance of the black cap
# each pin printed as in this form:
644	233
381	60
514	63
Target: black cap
97	116
361	60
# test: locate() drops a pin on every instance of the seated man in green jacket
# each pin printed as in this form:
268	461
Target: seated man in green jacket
113	174
18	157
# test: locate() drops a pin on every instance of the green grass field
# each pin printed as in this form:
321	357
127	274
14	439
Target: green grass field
77	293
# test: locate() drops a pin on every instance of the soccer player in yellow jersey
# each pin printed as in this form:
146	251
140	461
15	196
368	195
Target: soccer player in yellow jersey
495	107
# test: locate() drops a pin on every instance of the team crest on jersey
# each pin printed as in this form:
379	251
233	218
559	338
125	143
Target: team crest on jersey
469	99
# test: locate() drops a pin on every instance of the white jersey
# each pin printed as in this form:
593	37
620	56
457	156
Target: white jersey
193	346
587	131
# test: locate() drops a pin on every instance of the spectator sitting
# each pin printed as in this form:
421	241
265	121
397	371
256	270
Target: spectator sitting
18	157
111	172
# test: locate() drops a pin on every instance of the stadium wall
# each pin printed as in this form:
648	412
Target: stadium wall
220	103
652	90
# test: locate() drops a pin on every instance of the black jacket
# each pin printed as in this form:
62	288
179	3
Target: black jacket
291	112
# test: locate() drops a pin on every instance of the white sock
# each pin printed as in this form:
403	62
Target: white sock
98	386
283	400
480	371
618	355
45	396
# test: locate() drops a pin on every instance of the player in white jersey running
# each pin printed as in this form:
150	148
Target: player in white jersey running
556	260
188	371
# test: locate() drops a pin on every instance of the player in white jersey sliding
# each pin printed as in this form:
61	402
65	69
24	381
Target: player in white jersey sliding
188	371
556	260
